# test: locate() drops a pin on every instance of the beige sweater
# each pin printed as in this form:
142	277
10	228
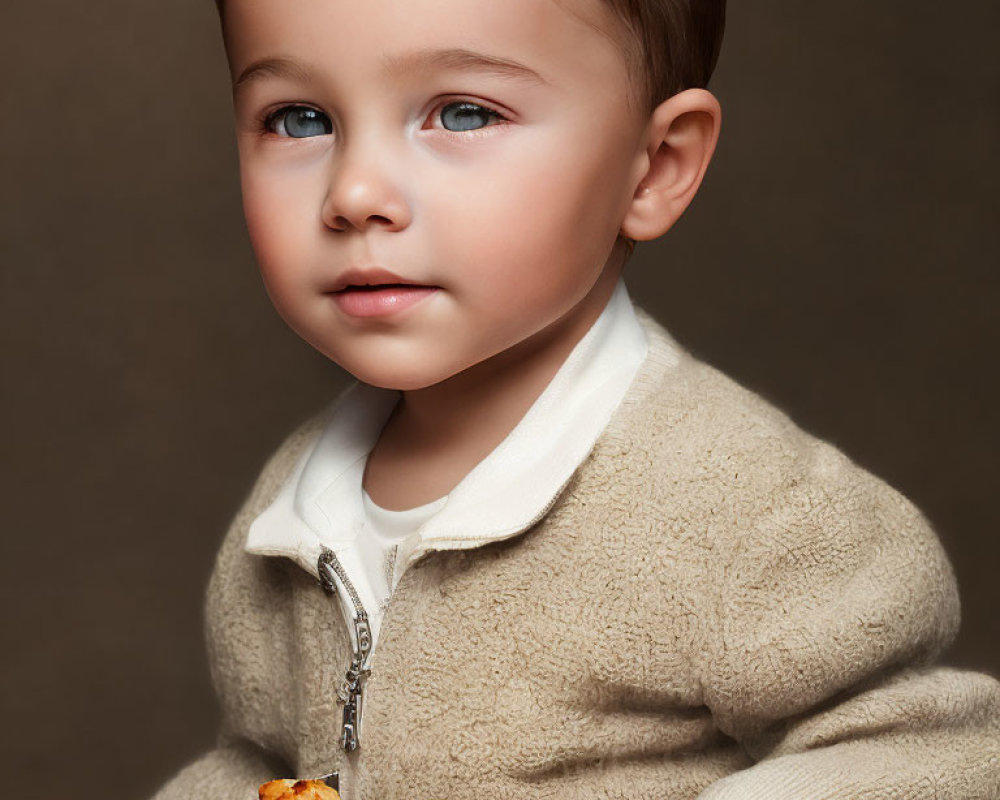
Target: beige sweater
718	606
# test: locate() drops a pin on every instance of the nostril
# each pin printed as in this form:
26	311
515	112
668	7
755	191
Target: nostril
355	205
342	223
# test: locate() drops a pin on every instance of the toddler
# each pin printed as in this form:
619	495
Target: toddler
538	550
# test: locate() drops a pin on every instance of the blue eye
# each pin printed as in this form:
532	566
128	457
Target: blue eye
299	122
466	116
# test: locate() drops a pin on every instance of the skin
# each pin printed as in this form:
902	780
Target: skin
514	220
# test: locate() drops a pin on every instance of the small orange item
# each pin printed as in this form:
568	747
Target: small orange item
289	789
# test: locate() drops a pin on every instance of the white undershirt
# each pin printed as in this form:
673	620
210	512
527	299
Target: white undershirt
386	530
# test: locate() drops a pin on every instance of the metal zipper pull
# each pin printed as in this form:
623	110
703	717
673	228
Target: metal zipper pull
351	693
349	726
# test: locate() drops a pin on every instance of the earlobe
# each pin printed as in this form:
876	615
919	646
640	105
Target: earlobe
681	139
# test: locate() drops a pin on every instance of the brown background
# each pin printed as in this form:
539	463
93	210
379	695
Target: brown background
841	259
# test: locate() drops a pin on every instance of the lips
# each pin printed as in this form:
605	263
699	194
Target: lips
376	292
370	278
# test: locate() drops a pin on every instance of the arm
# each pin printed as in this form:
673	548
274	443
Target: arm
835	601
918	734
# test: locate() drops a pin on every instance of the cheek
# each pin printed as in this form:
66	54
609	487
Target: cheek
535	213
278	216
534	194
590	181
272	225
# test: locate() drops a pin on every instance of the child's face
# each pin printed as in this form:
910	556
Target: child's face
482	153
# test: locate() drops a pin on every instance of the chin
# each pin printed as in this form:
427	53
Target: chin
402	378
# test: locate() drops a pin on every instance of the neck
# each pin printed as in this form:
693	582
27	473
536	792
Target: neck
439	433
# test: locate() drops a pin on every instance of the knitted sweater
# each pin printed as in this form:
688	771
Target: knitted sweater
717	606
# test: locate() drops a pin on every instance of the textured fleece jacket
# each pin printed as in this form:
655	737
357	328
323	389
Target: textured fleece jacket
717	606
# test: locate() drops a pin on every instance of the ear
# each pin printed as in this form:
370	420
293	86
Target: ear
680	141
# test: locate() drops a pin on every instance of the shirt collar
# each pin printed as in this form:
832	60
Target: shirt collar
505	494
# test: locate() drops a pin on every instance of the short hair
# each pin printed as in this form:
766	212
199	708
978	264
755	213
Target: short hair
674	44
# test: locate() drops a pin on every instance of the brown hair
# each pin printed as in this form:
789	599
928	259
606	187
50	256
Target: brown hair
676	43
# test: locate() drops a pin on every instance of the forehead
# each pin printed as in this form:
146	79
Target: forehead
552	37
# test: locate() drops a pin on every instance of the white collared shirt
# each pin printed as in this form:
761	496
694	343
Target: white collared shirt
322	503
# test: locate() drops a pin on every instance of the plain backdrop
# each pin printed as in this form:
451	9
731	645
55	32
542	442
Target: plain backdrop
841	259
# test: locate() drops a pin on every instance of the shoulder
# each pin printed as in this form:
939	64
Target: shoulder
817	562
700	421
788	516
683	421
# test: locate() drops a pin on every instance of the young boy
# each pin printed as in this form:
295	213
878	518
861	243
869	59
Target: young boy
538	551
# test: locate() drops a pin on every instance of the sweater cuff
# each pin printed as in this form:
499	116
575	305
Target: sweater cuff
790	779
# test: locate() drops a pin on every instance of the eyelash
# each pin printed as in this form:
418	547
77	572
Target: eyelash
268	119
495	116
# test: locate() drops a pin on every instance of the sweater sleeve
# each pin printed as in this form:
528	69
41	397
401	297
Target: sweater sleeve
230	772
835	602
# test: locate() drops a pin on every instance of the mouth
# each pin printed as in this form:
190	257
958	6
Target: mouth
376	292
373	279
378	287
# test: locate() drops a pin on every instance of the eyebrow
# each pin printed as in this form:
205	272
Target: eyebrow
458	59
275	68
452	59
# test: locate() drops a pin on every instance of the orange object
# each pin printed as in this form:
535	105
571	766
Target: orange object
289	789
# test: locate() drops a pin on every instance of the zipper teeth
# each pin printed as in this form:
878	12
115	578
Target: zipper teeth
351	693
329	558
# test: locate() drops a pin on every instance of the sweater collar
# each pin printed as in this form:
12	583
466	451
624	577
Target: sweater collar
506	493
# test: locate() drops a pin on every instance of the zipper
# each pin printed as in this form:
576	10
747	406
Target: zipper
352	689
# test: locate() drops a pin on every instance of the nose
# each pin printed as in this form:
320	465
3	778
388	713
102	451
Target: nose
364	192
